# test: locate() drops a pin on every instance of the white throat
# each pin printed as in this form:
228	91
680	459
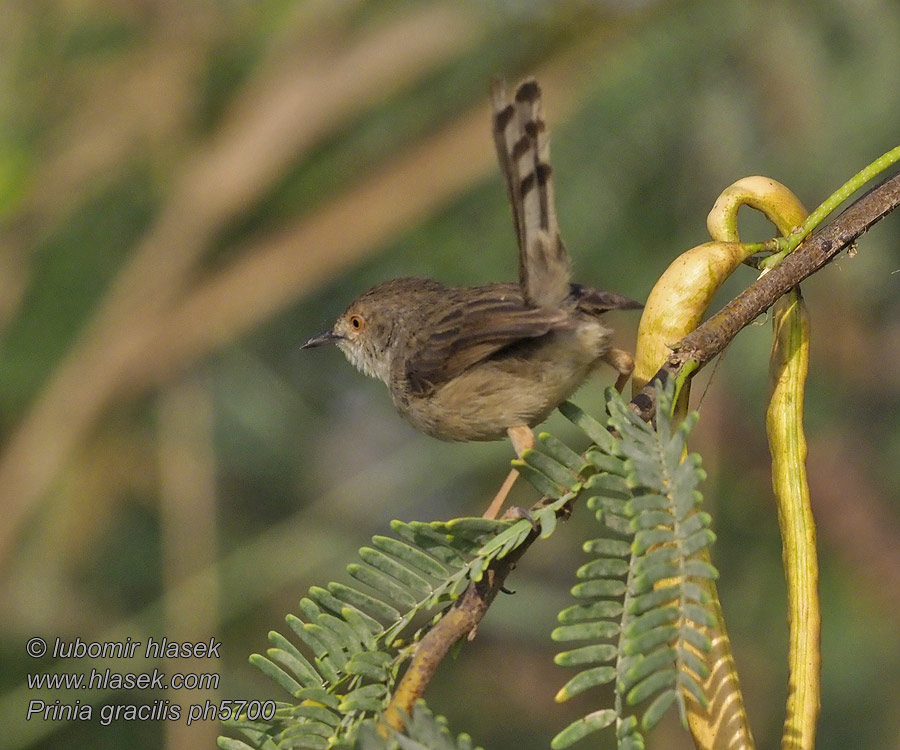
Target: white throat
379	369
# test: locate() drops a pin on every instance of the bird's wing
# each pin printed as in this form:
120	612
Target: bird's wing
468	333
523	149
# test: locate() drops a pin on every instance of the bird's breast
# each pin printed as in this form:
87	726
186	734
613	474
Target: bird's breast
521	384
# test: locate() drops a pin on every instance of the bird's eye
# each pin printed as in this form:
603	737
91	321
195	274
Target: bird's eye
357	322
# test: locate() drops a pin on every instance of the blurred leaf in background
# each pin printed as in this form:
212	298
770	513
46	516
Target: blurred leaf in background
188	190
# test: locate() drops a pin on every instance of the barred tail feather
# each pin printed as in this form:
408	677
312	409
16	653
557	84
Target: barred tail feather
523	149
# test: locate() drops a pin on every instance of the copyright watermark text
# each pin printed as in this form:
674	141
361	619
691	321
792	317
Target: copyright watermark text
109	679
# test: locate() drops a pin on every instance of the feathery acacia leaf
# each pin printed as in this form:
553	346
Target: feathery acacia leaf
642	575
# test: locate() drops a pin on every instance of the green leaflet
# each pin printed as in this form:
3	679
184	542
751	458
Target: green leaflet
364	602
316	713
413	557
298	663
602	609
298	667
599	652
558	473
608	547
540	481
582	728
603	567
359	620
561	452
584	631
366	698
657	709
585	680
276	673
599	587
415	584
421	536
590	426
650	639
384	584
628	736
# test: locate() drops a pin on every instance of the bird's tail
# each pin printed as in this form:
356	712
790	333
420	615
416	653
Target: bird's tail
523	149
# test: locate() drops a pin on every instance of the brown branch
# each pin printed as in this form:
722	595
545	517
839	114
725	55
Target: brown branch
459	621
710	338
699	346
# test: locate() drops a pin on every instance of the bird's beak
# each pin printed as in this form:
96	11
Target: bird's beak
327	337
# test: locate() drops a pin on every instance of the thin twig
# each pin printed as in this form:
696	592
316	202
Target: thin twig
459	621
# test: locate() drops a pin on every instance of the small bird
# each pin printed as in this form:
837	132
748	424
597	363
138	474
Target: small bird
483	362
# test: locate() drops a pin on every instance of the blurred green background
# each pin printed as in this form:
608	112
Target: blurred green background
188	190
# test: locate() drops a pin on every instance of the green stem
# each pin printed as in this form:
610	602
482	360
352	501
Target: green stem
789	244
683	390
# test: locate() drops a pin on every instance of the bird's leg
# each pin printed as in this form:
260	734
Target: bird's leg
623	363
522	438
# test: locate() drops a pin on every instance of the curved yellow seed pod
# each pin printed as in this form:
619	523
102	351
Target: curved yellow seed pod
676	304
787	444
679	299
776	201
